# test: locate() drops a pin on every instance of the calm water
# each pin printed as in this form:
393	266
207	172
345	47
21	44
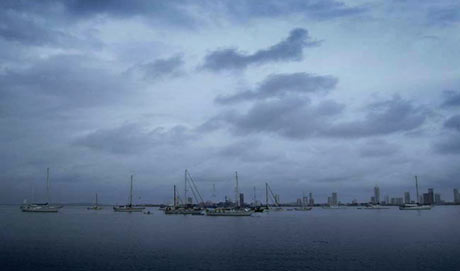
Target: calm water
347	239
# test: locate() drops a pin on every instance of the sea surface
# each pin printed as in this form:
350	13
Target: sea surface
322	239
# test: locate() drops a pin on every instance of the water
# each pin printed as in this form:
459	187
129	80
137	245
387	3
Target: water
342	239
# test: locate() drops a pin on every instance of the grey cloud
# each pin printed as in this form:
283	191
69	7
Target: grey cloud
160	68
278	85
448	145
451	98
133	138
291	117
309	9
70	80
378	148
296	118
385	117
248	150
290	49
453	123
444	15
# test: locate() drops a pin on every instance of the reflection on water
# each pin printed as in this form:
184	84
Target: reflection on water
345	239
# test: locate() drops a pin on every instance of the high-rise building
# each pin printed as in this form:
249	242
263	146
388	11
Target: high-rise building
377	195
437	198
334	200
406	197
428	198
241	200
311	200
373	199
456	196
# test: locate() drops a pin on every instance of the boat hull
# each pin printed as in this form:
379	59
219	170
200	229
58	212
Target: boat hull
183	212
229	213
414	208
39	209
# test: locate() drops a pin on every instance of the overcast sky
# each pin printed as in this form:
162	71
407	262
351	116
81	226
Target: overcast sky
309	96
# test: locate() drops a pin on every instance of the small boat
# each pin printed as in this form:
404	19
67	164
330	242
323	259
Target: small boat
96	207
229	212
41	207
130	207
415	206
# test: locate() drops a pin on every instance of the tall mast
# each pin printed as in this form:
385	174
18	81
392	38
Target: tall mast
237	192
255	196
48	185
266	194
96	199
131	192
185	188
175	197
416	188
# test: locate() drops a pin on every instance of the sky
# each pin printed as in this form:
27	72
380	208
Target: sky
313	96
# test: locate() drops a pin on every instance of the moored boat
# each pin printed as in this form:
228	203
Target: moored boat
129	207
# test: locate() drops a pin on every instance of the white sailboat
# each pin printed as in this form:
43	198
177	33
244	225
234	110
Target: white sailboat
304	207
417	205
41	207
96	207
130	207
275	208
238	210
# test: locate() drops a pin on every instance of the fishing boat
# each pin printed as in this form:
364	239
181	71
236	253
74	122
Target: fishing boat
415	206
96	207
41	207
130	207
238	210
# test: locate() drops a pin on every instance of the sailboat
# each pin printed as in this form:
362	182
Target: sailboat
304	207
277	207
417	205
41	207
96	206
238	210
176	209
130	207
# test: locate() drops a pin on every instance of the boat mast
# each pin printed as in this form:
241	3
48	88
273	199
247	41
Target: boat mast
96	200
266	194
416	188
185	187
237	192
175	201
255	196
48	185
131	193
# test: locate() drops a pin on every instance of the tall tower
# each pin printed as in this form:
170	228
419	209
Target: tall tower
377	195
